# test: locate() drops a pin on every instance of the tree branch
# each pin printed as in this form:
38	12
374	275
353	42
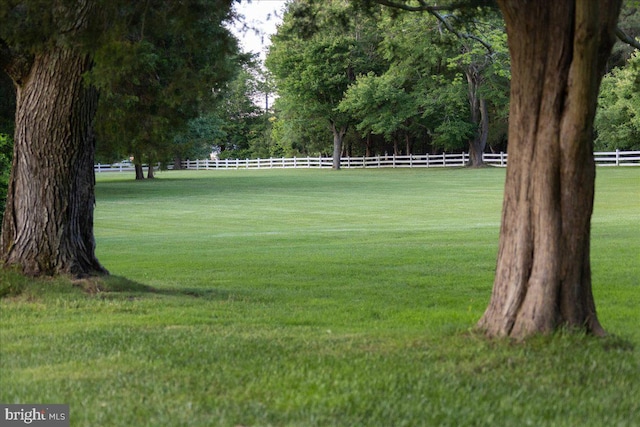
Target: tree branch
434	11
458	34
626	38
423	6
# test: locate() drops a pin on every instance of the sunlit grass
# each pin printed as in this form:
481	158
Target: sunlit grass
302	298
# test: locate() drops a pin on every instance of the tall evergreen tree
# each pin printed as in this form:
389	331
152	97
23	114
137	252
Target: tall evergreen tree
160	76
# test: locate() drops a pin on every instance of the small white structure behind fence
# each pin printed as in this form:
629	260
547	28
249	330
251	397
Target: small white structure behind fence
613	158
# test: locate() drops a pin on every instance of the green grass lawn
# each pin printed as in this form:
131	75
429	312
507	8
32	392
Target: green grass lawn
316	298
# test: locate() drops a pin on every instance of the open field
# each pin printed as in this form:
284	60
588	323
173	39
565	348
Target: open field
316	298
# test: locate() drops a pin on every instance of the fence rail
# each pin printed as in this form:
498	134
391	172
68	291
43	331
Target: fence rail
440	160
613	158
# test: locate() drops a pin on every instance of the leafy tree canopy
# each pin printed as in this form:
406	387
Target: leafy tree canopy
618	120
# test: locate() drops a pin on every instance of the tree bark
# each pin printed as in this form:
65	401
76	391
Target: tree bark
479	142
479	117
543	277
407	142
177	162
338	135
150	173
48	223
139	170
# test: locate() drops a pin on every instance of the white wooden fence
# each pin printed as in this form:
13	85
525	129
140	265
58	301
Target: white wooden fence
440	160
613	158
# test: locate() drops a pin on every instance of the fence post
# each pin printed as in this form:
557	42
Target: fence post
617	157
502	158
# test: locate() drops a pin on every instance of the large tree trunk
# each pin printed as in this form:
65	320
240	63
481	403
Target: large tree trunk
543	277
48	223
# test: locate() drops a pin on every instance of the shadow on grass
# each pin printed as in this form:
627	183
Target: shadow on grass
117	285
16	286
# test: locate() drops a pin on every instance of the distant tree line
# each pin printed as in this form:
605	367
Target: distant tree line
377	81
373	81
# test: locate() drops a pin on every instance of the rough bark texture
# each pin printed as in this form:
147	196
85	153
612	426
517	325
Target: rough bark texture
543	277
48	223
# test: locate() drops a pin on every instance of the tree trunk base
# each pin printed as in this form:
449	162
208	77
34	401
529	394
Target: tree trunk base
543	274
47	228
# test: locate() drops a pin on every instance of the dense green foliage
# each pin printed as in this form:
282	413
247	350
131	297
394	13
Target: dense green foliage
617	122
319	50
416	83
402	81
157	64
6	151
434	84
629	22
244	129
306	298
390	81
618	119
161	75
7	116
